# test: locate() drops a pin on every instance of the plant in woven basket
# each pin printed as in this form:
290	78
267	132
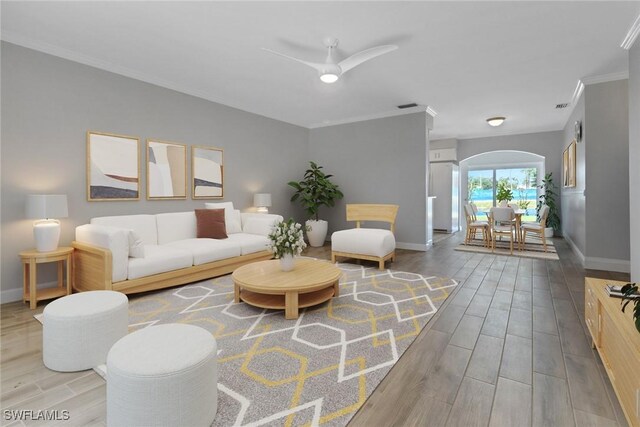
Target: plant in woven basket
630	291
287	237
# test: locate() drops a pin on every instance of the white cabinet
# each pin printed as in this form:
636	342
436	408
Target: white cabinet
443	155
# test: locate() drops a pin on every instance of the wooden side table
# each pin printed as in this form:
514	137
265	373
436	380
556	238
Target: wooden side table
30	260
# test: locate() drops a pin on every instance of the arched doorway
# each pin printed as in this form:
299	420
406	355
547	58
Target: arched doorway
521	171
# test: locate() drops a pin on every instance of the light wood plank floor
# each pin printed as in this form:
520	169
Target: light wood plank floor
508	348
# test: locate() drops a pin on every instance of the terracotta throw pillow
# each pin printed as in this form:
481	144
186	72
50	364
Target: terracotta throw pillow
210	223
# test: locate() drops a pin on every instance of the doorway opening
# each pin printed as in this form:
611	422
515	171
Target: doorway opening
519	171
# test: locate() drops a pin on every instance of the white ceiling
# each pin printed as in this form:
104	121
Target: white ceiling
466	60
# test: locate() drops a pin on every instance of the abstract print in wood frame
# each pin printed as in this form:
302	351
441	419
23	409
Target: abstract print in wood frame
113	167
207	173
571	155
166	170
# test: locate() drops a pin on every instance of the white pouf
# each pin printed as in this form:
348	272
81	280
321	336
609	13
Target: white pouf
79	329
364	241
163	375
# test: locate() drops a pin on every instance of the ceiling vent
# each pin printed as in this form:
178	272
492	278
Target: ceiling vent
560	106
402	107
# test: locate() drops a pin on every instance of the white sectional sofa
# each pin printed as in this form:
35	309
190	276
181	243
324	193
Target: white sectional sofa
138	253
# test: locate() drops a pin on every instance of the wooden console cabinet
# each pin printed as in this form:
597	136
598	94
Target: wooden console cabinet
618	343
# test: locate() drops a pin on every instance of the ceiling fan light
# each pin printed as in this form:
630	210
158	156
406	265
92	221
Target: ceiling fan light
495	121
329	77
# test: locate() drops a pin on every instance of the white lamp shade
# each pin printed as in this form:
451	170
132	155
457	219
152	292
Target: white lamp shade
262	200
42	206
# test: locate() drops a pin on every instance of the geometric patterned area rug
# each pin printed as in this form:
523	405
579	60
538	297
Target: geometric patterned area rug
533	248
317	369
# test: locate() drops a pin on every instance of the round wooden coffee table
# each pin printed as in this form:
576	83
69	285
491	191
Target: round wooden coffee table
263	284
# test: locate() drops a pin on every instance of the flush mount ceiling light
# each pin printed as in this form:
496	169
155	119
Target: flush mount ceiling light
331	70
495	121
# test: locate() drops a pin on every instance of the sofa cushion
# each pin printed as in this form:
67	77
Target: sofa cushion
176	226
249	243
136	245
144	225
159	259
231	216
364	241
259	226
113	238
210	224
208	250
259	223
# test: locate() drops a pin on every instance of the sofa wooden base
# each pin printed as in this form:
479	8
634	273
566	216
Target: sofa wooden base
380	260
92	271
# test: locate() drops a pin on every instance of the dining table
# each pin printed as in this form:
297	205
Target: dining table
519	213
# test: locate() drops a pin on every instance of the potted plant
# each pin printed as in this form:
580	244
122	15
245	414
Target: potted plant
630	291
504	194
314	191
548	197
286	240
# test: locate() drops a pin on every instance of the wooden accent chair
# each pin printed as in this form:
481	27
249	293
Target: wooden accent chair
473	226
536	227
367	243
502	221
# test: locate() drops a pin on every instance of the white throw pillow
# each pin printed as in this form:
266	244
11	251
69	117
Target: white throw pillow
231	216
234	225
136	246
259	226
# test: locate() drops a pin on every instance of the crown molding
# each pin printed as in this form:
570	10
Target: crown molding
392	113
632	35
433	113
577	92
602	78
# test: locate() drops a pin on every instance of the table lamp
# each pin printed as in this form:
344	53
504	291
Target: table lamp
45	207
262	201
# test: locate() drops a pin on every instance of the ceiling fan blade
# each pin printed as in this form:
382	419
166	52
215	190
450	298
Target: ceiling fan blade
360	57
314	65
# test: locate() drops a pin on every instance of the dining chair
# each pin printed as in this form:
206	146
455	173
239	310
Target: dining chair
502	222
473	226
536	227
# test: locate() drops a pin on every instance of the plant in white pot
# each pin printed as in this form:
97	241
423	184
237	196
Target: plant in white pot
286	241
549	198
314	191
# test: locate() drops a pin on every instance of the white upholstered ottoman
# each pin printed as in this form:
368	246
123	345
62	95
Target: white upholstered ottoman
163	375
79	329
364	243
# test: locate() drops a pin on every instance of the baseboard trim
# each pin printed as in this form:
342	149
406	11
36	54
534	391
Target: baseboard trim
574	248
10	295
413	246
608	264
13	295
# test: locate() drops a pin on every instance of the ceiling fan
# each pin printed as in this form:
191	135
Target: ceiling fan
330	70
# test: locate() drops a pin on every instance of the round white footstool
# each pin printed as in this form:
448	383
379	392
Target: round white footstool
165	375
79	329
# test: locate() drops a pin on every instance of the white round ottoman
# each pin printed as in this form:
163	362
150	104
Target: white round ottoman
164	375
79	329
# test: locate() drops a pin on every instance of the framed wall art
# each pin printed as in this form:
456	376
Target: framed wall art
569	165
113	167
572	164
166	170
207	172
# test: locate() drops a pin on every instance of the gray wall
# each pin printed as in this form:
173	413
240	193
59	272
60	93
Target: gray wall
545	144
573	200
49	103
634	156
378	161
607	171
